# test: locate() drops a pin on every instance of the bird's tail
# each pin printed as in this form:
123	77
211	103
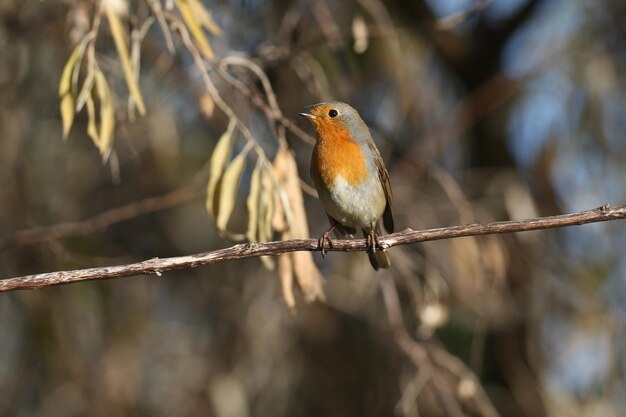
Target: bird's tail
379	259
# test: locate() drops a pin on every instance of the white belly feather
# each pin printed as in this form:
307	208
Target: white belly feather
354	206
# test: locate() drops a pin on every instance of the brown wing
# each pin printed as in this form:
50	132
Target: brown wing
383	175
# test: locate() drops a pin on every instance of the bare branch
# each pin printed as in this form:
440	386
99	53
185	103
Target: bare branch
408	236
431	359
102	220
414	350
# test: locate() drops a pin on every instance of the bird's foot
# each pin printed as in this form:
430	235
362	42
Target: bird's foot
325	241
372	241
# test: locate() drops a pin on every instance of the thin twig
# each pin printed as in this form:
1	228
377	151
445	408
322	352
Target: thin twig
269	112
414	350
408	236
155	5
275	112
446	361
327	24
102	220
196	187
210	87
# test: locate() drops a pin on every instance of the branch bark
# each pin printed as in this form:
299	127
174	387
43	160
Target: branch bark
156	266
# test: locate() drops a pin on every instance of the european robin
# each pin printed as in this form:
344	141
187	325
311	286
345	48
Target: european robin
350	177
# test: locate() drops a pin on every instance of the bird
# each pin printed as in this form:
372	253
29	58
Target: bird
350	177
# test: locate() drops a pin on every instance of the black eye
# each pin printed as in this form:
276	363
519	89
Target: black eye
333	113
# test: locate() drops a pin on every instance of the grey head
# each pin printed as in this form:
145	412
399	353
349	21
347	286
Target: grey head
332	112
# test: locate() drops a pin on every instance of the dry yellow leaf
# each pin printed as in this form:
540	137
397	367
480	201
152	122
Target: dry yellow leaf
309	278
252	203
204	17
282	171
92	129
298	224
219	159
285	273
280	198
65	90
278	220
67	113
86	89
228	190
107	115
195	26
266	212
119	37
268	200
76	71
268	262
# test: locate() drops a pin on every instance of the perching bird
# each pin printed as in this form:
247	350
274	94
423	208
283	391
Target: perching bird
350	177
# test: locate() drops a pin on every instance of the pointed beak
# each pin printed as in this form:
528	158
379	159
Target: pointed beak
308	115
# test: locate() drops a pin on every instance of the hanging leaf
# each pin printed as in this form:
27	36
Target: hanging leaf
195	26
278	169
308	277
219	159
253	203
115	22
228	190
266	213
285	273
268	196
65	89
92	129
86	89
204	17
284	174
67	113
107	115
268	262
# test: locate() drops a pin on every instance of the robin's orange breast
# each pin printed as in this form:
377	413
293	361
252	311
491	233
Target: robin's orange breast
336	154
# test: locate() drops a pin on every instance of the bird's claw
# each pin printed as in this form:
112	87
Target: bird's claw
325	242
372	241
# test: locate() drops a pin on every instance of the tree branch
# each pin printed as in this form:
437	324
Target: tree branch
157	266
415	351
102	220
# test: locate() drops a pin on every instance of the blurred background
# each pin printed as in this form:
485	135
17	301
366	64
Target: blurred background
483	111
